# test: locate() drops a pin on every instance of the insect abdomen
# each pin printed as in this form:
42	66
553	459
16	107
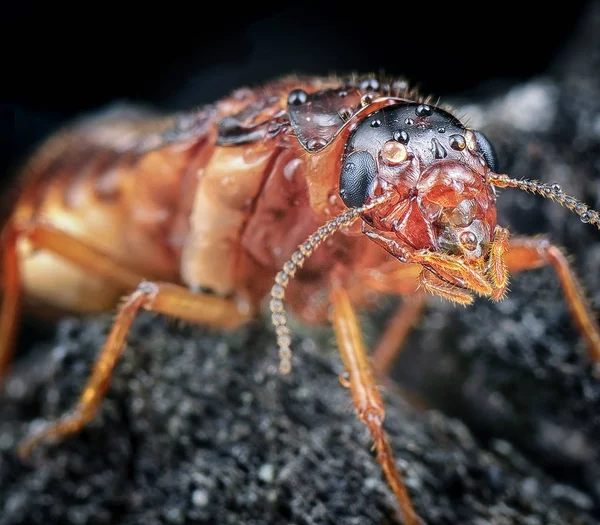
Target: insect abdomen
122	184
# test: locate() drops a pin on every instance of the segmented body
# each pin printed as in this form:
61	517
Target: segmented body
216	199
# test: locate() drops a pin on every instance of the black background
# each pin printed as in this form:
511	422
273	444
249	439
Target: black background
60	60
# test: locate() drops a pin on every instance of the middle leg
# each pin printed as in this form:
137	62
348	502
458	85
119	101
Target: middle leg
397	330
395	279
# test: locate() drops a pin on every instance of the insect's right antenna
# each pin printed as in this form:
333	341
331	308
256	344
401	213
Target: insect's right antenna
296	261
550	191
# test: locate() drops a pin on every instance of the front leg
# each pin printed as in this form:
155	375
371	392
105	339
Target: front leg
526	253
365	393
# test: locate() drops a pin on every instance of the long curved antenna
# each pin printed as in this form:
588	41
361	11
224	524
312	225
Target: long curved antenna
550	191
296	261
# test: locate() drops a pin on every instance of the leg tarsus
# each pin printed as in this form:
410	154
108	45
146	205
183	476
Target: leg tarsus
98	382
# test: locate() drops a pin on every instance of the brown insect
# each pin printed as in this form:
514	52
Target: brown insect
195	216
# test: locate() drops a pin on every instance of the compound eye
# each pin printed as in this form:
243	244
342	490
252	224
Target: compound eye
357	176
489	153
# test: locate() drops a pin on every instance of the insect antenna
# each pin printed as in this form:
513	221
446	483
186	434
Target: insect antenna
550	191
296	261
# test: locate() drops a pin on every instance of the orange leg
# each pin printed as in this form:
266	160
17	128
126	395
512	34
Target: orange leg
46	237
365	394
165	298
398	328
527	253
398	279
11	301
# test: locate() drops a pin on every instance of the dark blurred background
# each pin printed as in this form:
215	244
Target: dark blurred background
59	60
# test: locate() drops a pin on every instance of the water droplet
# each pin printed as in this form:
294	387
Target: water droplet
399	86
375	123
409	121
345	112
316	144
586	217
365	100
393	152
457	142
369	84
437	149
297	97
468	240
423	110
556	189
401	136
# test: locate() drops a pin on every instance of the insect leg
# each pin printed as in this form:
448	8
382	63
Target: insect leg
365	393
395	279
48	238
164	298
526	253
11	301
396	332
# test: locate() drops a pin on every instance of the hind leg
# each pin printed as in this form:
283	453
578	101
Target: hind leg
47	238
164	298
169	299
11	300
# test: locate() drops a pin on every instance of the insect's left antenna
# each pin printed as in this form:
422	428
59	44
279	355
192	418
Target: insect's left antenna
296	261
550	191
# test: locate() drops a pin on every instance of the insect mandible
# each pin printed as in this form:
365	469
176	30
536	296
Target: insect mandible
330	188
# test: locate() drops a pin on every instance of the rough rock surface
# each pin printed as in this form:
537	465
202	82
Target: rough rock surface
198	427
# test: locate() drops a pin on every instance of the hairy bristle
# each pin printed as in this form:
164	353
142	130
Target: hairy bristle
550	191
296	261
